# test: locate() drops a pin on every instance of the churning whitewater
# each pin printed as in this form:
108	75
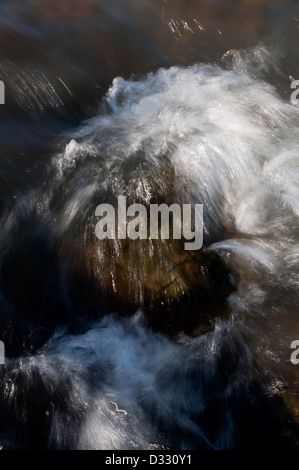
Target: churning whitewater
204	134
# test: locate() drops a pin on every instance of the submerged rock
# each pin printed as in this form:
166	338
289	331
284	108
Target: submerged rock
177	290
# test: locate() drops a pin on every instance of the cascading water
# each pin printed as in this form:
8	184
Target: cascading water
139	344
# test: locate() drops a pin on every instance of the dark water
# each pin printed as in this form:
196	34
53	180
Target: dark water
139	344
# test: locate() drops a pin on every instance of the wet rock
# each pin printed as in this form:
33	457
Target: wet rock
177	290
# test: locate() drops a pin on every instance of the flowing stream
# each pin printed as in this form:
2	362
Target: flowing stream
122	344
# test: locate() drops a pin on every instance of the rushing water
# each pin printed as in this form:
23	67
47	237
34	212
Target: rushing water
138	344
